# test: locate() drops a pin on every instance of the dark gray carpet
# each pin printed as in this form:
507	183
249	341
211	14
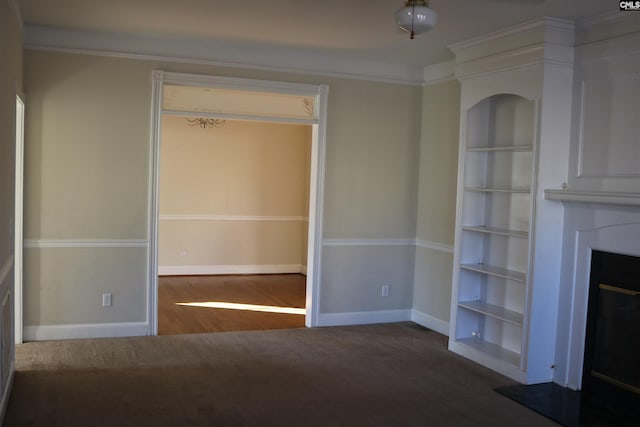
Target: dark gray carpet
374	375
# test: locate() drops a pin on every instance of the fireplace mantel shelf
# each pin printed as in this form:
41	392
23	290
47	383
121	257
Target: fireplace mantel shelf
600	197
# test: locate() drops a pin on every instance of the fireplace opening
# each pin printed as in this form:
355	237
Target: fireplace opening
611	374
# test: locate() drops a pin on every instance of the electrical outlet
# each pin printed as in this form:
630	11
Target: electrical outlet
106	299
384	291
183	252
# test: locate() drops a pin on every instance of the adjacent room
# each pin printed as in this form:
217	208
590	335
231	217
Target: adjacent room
233	224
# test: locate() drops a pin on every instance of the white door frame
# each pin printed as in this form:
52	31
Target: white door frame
316	179
18	216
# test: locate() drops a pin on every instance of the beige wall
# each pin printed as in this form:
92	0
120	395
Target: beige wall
10	79
244	168
86	186
87	178
372	152
437	199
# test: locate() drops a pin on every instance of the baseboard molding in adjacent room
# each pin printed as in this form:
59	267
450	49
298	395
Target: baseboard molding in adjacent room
95	330
202	270
430	322
364	317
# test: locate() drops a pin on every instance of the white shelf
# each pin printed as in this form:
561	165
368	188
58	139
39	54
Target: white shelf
499	231
496	271
493	350
598	197
513	148
495	311
498	190
496	175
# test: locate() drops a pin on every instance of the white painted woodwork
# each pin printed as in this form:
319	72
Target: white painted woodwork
239	102
605	147
602	197
594	197
514	138
18	217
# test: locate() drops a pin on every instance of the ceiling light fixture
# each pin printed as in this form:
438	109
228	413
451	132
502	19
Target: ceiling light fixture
205	123
416	17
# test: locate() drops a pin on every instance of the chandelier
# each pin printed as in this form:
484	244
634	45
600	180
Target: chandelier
206	122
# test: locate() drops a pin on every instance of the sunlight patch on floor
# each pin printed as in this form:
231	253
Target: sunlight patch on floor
246	307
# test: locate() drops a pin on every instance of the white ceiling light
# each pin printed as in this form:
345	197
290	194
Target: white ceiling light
416	17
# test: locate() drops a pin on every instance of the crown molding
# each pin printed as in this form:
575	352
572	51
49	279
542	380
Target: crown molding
603	18
606	26
559	31
223	54
13	5
438	73
544	40
609	49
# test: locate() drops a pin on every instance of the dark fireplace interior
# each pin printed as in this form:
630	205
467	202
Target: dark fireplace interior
611	374
610	394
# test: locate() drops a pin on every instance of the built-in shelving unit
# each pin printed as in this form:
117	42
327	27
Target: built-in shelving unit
516	99
493	228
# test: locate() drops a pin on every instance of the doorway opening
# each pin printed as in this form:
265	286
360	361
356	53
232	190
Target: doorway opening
232	248
18	218
218	100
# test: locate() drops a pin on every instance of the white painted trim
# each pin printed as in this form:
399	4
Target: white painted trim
436	246
316	209
346	243
6	268
6	393
233	55
561	25
612	48
203	270
85	243
303	270
603	18
430	322
580	133
367	242
80	331
364	317
16	12
237	83
593	197
157	88
256	218
245	117
438	73
488	361
18	244
515	59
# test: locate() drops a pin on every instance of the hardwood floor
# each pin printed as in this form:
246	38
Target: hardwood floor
208	294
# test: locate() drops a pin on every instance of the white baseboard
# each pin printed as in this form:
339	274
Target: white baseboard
195	270
363	317
6	393
95	330
303	269
430	322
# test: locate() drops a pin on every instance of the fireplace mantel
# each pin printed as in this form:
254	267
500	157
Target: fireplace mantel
593	197
594	220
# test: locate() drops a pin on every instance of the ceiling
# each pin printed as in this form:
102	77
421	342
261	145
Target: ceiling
362	29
